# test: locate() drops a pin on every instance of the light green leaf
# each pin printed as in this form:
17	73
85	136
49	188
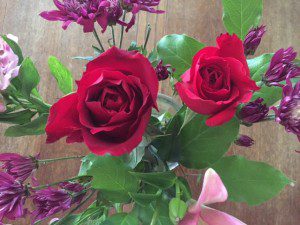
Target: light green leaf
249	181
177	210
35	127
199	146
19	117
29	77
145	199
121	219
178	50
62	75
163	180
113	178
240	15
271	95
259	65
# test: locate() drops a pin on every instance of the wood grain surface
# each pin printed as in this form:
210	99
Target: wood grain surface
201	19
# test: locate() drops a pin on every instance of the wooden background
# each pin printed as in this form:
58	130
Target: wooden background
201	19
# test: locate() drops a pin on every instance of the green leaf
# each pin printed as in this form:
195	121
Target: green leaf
19	117
163	180
69	220
240	15
35	127
200	146
121	219
259	65
86	164
271	95
145	199
177	210
113	178
249	181
94	212
29	77
62	75
178	50
15	47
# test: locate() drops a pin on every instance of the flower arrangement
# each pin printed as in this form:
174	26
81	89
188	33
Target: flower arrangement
138	137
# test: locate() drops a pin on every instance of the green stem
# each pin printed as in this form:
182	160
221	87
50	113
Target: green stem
55	183
148	31
113	35
119	208
122	30
45	161
154	218
98	40
178	193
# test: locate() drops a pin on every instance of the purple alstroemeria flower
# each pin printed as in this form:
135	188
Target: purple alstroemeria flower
253	39
12	198
134	6
52	200
288	112
163	72
282	67
244	141
18	166
9	68
254	112
85	13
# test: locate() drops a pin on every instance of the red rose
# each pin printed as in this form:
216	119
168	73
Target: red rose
112	106
218	81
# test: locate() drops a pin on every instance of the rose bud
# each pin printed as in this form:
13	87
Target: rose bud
85	13
218	81
12	198
253	39
282	67
254	112
244	141
112	107
50	201
288	112
134	6
9	68
18	166
163	72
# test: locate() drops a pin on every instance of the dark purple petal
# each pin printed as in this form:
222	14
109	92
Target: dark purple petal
253	39
254	112
244	141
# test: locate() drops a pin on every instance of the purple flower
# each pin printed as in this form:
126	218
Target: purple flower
163	72
9	68
244	140
85	13
282	67
51	201
253	39
18	166
12	198
134	6
288	112
254	112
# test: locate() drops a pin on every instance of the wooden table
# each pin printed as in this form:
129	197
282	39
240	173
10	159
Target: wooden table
198	18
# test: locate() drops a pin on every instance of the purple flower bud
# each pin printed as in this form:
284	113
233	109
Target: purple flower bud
12	198
254	112
282	67
244	140
288	112
134	6
85	13
18	166
9	68
51	200
163	72
253	39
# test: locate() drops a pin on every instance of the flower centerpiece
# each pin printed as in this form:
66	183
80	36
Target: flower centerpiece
138	137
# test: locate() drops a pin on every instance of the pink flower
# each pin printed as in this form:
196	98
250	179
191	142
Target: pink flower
9	68
85	13
213	191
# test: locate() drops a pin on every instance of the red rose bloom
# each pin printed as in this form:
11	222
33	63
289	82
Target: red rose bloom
112	106
218	81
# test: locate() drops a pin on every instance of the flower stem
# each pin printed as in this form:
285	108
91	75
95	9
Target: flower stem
113	35
98	40
45	161
122	30
154	218
119	208
148	32
55	183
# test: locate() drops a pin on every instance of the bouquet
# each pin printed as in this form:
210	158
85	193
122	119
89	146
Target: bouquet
138	138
